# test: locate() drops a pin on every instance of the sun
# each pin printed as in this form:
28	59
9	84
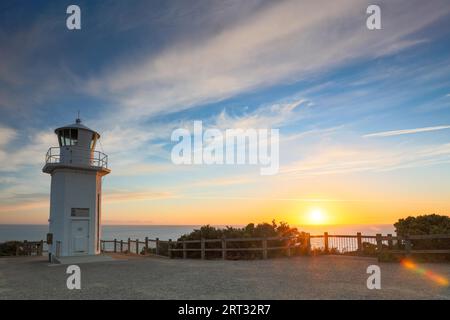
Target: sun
316	216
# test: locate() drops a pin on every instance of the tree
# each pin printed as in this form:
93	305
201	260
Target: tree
260	230
426	224
422	225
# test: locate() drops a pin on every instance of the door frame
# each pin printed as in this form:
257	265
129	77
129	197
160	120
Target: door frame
71	245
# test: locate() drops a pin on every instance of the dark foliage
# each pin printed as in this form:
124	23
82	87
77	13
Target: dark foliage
10	248
426	225
250	231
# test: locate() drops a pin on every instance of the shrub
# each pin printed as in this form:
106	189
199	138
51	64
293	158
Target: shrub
9	248
249	231
426	225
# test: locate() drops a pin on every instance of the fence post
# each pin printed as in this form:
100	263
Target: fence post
115	245
202	243
407	246
41	247
308	243
157	246
390	242
325	241
264	248
184	250
121	246
359	240
379	242
25	247
224	248
137	246
169	248
146	245
129	245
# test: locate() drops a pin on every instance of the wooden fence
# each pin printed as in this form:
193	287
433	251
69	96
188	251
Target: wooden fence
363	245
24	248
358	244
169	248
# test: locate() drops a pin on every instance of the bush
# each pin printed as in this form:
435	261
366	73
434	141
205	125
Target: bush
9	248
249	231
426	225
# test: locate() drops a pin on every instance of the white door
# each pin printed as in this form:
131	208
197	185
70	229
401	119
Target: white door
80	236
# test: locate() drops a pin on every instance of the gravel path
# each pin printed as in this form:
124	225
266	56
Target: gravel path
324	277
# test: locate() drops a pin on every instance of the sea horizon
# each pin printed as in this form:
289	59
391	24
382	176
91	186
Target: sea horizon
35	232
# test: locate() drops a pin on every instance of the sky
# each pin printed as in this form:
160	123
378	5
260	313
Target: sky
363	115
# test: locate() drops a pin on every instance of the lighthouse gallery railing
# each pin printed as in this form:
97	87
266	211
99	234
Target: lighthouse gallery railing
96	158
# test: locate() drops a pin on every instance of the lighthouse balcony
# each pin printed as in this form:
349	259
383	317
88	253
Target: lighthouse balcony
75	158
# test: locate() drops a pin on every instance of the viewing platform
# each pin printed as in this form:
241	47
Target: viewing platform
75	158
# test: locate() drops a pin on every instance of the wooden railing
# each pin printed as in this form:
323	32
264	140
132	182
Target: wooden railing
358	244
406	244
169	248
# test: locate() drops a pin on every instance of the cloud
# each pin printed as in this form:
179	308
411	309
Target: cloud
404	131
25	206
7	135
124	196
30	153
23	202
135	169
270	116
225	181
340	159
272	44
284	42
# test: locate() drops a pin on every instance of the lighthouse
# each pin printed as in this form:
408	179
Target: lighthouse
76	170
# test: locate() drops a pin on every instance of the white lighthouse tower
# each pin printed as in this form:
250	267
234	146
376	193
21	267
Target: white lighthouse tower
76	192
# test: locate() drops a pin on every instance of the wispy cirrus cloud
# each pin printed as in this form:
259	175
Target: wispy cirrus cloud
405	131
283	42
343	159
273	115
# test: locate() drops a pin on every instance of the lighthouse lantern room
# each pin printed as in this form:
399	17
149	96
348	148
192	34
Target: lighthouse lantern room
76	170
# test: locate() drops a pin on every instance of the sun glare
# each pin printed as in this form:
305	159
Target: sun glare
316	216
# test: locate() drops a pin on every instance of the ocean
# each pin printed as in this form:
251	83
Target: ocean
10	232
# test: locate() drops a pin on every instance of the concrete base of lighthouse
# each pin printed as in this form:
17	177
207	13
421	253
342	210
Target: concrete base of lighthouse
82	259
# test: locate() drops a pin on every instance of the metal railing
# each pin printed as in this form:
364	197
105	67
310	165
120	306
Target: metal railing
73	156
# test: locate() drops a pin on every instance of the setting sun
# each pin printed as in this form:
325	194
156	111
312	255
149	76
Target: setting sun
316	216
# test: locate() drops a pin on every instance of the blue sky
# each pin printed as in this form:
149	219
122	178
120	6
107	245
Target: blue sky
139	69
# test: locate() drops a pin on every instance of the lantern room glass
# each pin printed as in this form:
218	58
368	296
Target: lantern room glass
68	137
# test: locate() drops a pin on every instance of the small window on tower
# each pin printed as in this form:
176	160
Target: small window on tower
74	137
79	212
60	140
66	135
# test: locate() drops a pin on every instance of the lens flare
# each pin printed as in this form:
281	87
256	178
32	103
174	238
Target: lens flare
440	280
